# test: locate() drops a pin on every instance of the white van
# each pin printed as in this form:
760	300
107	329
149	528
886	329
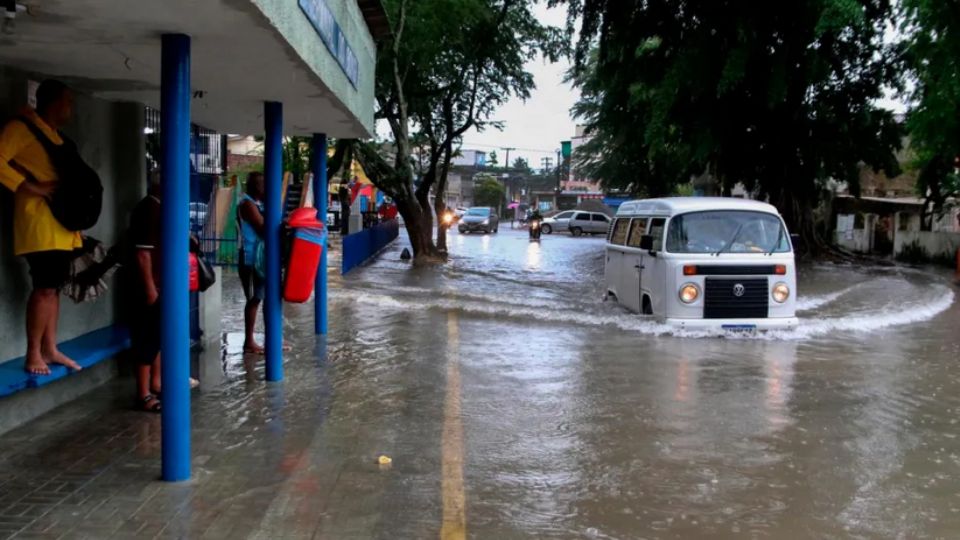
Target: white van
703	262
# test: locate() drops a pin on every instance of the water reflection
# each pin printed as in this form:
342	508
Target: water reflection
534	254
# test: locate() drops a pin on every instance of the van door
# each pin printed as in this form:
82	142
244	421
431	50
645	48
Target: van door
613	269
632	264
653	272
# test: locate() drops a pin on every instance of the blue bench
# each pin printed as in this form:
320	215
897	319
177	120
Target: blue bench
86	350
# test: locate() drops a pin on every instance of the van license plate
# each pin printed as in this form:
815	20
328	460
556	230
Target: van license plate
740	327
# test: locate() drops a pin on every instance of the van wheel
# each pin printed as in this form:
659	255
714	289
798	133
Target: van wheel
576	231
547	229
647	306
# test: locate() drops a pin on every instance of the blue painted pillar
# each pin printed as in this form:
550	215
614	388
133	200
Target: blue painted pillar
175	230
320	199
273	177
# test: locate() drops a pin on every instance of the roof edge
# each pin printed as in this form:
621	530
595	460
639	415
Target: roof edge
376	18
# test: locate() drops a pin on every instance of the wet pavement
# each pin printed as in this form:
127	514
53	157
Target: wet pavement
514	403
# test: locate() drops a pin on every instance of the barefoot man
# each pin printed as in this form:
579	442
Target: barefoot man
26	170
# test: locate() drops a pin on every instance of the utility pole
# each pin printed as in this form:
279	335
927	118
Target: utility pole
559	171
546	164
507	149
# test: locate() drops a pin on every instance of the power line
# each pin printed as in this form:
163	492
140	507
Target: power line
467	146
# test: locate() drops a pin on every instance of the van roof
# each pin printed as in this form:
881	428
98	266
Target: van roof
671	206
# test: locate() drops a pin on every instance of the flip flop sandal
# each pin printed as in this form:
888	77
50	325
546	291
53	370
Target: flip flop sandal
150	403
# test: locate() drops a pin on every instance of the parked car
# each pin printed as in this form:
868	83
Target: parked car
559	222
589	223
479	219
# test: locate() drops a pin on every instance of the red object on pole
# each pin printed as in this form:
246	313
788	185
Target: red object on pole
194	279
309	238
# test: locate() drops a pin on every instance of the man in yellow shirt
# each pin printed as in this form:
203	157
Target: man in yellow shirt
26	170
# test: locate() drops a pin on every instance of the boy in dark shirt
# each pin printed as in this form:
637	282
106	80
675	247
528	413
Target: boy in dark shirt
145	315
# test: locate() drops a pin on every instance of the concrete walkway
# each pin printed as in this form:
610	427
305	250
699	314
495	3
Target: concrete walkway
290	460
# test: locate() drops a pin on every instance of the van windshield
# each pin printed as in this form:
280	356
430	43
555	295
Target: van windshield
478	212
727	231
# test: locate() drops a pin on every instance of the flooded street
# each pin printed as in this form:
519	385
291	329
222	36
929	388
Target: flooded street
514	403
512	398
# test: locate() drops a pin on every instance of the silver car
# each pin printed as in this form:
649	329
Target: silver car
479	219
558	222
589	223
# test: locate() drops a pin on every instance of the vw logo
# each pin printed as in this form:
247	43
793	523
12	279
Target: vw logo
739	289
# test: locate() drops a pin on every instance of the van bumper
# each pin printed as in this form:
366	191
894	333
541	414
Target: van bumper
779	323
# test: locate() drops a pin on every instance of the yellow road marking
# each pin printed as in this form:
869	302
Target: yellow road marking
454	502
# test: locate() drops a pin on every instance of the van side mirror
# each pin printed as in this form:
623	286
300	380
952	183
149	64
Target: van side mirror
646	242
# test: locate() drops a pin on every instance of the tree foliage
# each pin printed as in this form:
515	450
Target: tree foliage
489	192
779	96
295	156
446	68
521	165
931	54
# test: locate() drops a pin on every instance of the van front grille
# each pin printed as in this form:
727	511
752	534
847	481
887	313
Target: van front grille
736	298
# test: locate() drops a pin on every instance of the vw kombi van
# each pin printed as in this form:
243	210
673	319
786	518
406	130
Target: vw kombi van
703	262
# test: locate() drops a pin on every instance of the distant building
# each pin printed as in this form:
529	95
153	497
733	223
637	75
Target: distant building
470	158
459	189
576	179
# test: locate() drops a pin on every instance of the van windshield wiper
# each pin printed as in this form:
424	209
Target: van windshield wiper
726	246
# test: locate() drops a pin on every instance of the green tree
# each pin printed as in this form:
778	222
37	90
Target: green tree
296	155
521	165
489	192
447	66
492	160
931	50
779	96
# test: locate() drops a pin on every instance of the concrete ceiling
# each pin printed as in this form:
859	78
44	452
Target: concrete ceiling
111	49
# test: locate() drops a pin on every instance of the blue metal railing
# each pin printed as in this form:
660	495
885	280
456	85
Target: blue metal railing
361	246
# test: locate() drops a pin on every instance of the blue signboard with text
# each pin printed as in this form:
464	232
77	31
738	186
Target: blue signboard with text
323	21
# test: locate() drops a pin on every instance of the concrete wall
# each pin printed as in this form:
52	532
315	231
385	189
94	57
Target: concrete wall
936	244
110	138
287	17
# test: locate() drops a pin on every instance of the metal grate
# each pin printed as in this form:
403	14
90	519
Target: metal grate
207	172
722	301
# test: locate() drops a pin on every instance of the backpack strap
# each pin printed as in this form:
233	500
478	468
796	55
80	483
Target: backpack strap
39	135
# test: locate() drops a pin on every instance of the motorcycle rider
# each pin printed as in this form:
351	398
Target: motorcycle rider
535	219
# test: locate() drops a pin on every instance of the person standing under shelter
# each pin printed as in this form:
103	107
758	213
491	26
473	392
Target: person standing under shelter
27	171
251	226
145	312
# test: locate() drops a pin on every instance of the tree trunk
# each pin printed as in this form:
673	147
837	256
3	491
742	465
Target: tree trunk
419	225
439	201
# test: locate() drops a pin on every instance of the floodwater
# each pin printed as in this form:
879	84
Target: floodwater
580	419
516	403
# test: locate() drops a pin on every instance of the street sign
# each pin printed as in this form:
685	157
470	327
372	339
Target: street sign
566	148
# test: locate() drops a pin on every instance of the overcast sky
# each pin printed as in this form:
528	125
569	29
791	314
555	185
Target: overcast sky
535	127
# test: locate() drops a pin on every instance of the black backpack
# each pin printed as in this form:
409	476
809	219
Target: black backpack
78	199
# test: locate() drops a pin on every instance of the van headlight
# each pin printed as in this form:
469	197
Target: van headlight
689	293
781	292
